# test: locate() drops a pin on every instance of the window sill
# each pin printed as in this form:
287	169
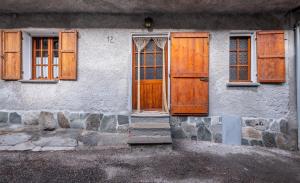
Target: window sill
242	84
39	81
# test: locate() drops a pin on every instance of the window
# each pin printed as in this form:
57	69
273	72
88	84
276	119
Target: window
240	59
151	62
45	62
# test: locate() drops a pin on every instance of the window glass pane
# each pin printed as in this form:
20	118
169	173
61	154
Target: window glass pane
55	71
45	57
55	57
159	73
149	59
233	58
243	43
38	72
142	59
37	43
38	58
55	43
243	73
158	49
150	46
232	43
136	73
159	59
45	71
149	73
243	57
233	73
45	43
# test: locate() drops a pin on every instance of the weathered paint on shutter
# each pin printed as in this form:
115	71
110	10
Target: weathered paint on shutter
270	57
68	55
11	54
189	73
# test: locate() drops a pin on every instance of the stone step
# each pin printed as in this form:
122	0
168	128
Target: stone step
133	140
150	119
149	129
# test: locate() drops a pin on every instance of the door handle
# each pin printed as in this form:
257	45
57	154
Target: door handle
203	79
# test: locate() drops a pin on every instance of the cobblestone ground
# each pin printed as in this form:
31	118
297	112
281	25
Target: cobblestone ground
189	161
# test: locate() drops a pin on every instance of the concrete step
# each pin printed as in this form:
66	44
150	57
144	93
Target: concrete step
133	140
150	119
149	133
149	129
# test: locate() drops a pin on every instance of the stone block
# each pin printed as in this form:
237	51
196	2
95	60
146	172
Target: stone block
274	126
283	126
250	132
177	120
245	142
3	117
123	119
63	121
15	118
217	138
216	120
177	132
257	123
78	120
256	143
47	121
108	124
268	139
123	128
282	141
189	129
204	134
30	118
93	122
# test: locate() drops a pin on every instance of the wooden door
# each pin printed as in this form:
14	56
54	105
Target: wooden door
151	77
189	73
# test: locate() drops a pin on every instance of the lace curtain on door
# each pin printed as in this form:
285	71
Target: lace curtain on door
140	43
161	43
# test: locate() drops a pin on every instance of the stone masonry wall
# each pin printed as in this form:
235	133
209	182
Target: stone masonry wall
197	128
49	120
268	132
265	132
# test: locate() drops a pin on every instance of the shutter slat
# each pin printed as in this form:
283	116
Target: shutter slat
270	57
68	55
11	54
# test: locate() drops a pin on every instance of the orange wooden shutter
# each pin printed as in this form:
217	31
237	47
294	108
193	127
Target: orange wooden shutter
68	55
11	54
270	57
1	54
189	73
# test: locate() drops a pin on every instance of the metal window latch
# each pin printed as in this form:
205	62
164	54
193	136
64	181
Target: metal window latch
203	79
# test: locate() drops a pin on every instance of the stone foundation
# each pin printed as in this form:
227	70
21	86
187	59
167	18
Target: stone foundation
268	132
49	120
197	128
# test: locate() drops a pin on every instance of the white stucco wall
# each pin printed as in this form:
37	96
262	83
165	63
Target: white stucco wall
104	78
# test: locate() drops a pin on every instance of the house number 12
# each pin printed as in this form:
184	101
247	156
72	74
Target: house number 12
110	39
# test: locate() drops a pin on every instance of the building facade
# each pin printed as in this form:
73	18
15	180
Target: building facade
208	72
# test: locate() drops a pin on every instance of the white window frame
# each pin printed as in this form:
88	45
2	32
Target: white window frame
252	36
27	35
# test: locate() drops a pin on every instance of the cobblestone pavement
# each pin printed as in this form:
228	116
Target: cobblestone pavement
189	161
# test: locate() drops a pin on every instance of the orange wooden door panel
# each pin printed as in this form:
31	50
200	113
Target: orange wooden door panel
11	50
270	57
189	73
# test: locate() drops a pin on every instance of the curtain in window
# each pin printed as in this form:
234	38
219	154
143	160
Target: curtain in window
161	43
140	43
